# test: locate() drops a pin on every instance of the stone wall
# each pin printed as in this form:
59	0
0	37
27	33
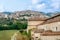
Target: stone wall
51	26
32	24
50	37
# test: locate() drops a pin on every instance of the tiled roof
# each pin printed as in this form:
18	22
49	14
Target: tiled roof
38	30
50	33
46	32
51	20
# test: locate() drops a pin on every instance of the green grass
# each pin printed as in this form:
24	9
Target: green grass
22	36
23	32
6	34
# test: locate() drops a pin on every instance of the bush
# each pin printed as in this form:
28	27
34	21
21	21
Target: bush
12	25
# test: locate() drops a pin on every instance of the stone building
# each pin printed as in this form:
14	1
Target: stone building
34	21
45	35
51	24
50	35
47	29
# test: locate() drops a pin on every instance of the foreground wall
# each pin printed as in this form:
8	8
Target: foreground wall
50	37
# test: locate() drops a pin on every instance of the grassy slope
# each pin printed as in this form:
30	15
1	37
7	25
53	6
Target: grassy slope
22	36
6	34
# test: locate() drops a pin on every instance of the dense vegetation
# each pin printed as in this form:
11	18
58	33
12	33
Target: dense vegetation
12	24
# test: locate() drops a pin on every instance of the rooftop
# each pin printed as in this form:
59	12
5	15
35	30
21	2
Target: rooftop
50	33
51	20
46	32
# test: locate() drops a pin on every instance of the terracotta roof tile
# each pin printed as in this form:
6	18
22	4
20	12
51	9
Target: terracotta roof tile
38	30
50	33
51	20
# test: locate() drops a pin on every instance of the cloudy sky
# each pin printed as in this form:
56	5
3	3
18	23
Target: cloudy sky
37	5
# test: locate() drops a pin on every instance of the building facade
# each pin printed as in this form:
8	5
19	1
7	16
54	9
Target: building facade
50	26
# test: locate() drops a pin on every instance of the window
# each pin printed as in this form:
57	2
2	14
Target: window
56	28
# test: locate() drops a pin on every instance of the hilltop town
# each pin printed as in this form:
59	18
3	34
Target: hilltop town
22	14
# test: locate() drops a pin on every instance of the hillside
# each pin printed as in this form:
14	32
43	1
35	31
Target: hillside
27	14
53	14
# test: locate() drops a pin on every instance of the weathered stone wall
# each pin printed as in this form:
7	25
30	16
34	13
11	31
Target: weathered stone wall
51	26
50	37
32	24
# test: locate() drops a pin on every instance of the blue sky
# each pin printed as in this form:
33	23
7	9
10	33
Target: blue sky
37	5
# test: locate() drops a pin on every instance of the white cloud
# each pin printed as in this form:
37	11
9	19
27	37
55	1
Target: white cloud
34	1
55	0
55	4
49	10
29	8
46	6
41	6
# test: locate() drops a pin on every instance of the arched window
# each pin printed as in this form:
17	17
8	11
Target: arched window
54	28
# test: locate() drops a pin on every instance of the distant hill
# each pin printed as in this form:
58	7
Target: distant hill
30	12
6	12
53	14
57	13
